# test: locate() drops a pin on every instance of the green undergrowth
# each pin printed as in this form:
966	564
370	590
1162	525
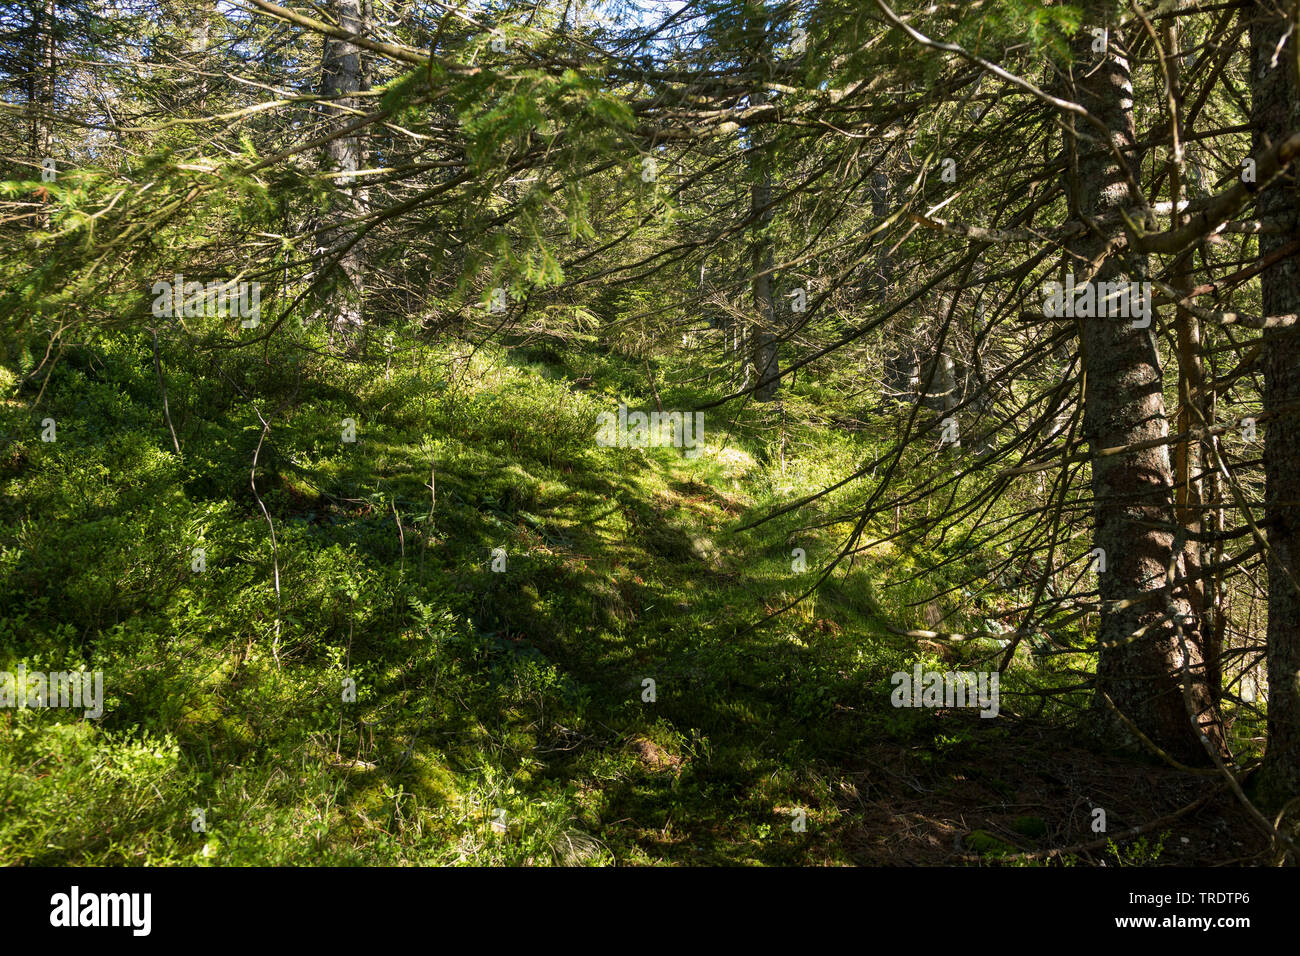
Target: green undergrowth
500	716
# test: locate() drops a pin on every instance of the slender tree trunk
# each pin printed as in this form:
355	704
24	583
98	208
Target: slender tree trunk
1141	656
342	75
43	87
763	339
203	15
1275	114
879	210
44	126
1195	405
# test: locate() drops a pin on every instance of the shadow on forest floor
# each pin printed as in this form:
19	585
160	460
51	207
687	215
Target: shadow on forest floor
502	715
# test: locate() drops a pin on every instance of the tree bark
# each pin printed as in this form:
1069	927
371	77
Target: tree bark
1274	108
763	339
1141	654
43	90
341	75
1196	406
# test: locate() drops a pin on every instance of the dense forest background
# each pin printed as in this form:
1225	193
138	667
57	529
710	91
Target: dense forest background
333	334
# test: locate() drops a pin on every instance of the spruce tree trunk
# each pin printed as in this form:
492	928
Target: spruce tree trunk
1273	107
1140	655
879	210
341	75
763	342
1193	485
42	89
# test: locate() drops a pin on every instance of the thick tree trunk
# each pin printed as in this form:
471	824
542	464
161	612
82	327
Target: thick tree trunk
1141	654
1274	108
341	75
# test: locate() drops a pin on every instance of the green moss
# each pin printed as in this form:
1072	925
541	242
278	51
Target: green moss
475	690
1030	826
986	844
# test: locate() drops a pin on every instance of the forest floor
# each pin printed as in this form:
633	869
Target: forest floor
503	716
